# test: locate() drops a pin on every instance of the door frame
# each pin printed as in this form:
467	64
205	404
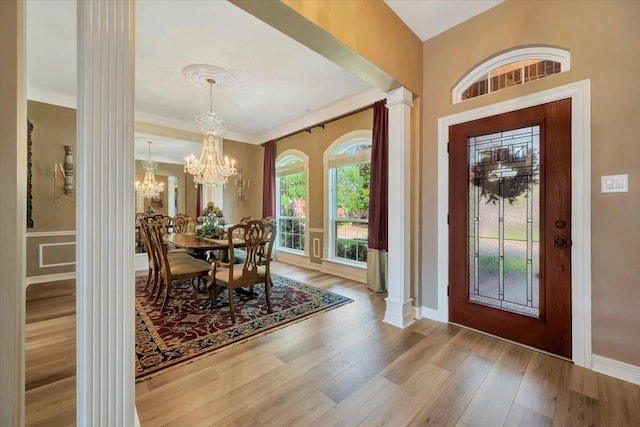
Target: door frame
580	94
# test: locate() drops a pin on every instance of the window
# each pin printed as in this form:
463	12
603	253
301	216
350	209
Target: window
349	176
291	200
512	68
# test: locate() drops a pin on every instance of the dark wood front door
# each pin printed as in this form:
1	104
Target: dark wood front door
509	226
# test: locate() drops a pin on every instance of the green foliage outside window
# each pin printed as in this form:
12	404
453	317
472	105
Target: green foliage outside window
352	189
292	191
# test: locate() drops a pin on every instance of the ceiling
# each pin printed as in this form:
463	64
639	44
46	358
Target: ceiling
280	85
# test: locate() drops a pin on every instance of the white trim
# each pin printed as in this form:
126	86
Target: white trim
41	247
398	308
303	168
580	94
316	230
614	368
316	248
105	297
46	278
562	56
50	233
339	108
328	200
141	262
431	314
352	273
49	97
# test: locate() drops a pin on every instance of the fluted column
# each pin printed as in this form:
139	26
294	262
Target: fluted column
399	311
105	214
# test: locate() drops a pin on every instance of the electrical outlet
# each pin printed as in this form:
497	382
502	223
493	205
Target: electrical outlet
614	183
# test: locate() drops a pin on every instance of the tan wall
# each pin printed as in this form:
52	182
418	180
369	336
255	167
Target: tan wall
53	128
314	145
602	38
389	43
250	158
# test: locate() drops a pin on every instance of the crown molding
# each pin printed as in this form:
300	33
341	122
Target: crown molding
341	107
188	126
49	97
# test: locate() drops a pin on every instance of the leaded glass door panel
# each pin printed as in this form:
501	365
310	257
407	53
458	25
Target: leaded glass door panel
510	210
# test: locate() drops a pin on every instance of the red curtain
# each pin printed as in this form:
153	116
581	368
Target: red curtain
269	180
378	191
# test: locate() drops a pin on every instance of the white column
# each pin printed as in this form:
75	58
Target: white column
171	195
399	311
105	214
13	190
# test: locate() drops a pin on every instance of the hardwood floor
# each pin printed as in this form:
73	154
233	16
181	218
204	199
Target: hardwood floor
342	368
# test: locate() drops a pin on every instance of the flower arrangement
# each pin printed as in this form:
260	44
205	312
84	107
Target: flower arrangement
211	222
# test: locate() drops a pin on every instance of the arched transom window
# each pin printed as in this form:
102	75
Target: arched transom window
512	68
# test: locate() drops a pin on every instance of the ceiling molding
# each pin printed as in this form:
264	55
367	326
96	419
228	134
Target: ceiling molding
50	97
344	106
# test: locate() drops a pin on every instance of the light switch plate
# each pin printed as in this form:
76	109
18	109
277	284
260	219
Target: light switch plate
614	183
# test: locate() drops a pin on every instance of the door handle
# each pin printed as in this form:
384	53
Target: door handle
559	241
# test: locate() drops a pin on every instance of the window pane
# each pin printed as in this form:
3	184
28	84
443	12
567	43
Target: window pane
291	218
352	191
292	195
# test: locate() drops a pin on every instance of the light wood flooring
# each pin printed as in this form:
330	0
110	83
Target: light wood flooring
342	368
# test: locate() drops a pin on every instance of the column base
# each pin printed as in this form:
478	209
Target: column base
398	313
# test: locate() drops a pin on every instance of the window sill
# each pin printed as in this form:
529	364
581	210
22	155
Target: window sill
360	265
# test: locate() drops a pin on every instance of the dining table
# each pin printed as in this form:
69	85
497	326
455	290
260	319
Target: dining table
200	246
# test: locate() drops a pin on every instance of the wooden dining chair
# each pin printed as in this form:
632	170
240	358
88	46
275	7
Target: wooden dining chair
177	266
153	255
183	224
251	236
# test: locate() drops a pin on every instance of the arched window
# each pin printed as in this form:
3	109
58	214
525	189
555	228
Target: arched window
291	201
348	166
512	68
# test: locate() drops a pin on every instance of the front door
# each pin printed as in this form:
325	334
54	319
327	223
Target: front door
509	226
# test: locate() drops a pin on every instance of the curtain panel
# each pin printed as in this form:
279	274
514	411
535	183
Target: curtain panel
269	180
378	199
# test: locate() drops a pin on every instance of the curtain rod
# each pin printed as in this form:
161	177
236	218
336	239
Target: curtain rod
321	124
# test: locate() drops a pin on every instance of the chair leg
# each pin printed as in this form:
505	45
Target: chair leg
154	284
149	273
267	291
167	291
159	290
231	307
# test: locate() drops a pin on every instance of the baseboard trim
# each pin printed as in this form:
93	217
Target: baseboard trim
432	314
615	368
50	278
351	273
141	262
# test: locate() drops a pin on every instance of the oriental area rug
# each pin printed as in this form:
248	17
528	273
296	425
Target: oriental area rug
184	332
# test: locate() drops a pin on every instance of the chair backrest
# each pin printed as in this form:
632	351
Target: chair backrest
159	249
256	241
183	224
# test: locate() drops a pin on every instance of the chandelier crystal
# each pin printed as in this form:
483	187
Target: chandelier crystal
149	188
211	168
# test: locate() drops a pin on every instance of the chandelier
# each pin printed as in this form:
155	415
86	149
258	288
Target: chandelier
149	188
211	168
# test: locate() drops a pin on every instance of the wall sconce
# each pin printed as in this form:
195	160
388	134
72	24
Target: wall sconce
242	185
66	171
